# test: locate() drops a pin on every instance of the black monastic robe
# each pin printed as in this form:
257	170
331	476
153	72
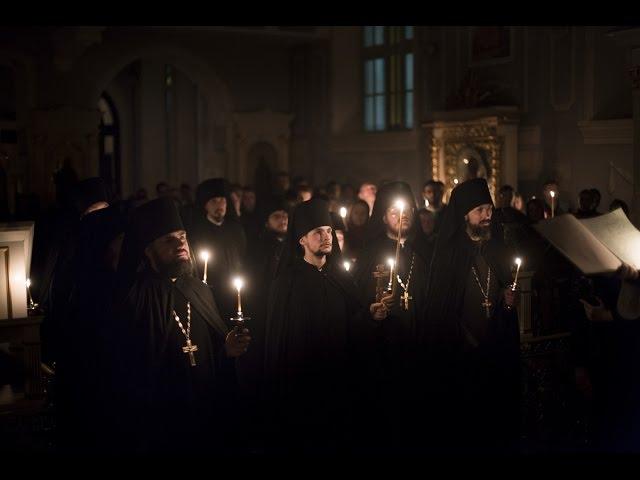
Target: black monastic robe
312	373
167	404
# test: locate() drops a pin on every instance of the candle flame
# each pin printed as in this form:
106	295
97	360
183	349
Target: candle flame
400	204
204	255
238	283
466	161
426	203
518	261
347	266
455	180
552	193
391	262
343	212
28	282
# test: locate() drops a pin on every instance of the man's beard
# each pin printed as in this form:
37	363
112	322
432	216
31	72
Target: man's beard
175	269
319	253
482	232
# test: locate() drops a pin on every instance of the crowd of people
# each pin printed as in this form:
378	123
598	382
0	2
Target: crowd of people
338	350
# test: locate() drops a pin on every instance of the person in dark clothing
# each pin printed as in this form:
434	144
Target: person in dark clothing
216	229
396	335
174	355
251	216
588	203
432	195
512	222
315	328
262	259
80	388
470	332
356	229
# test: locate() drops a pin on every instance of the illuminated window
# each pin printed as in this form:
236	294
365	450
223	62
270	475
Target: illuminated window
388	78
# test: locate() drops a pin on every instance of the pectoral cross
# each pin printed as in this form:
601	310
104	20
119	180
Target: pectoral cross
487	305
405	299
189	349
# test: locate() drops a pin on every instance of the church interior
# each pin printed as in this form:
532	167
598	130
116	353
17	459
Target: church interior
156	109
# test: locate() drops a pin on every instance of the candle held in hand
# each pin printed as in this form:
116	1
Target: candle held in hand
239	283
204	255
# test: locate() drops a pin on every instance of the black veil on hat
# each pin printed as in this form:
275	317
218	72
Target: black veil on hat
305	217
386	197
212	188
336	222
464	198
146	223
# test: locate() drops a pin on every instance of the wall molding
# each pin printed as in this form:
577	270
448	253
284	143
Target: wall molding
607	132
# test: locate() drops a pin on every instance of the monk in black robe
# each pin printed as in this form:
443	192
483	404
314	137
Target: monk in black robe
263	257
215	228
470	332
176	355
396	334
315	330
80	389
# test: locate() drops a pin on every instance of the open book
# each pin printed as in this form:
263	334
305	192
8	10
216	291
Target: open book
594	245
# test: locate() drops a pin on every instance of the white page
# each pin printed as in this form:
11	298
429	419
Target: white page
618	234
578	244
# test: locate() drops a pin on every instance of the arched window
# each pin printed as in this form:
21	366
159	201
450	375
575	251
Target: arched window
109	144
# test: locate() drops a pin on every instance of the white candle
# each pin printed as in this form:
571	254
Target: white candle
553	206
400	205
515	282
238	283
30	299
426	203
205	256
391	264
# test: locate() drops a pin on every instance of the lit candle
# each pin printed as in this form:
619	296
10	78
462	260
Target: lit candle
515	282
347	266
343	212
204	255
238	283
400	205
32	305
391	264
455	181
553	203
426	203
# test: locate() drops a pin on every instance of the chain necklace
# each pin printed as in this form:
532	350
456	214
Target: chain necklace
405	297
188	348
486	304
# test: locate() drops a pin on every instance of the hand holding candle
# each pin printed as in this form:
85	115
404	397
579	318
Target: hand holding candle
204	255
